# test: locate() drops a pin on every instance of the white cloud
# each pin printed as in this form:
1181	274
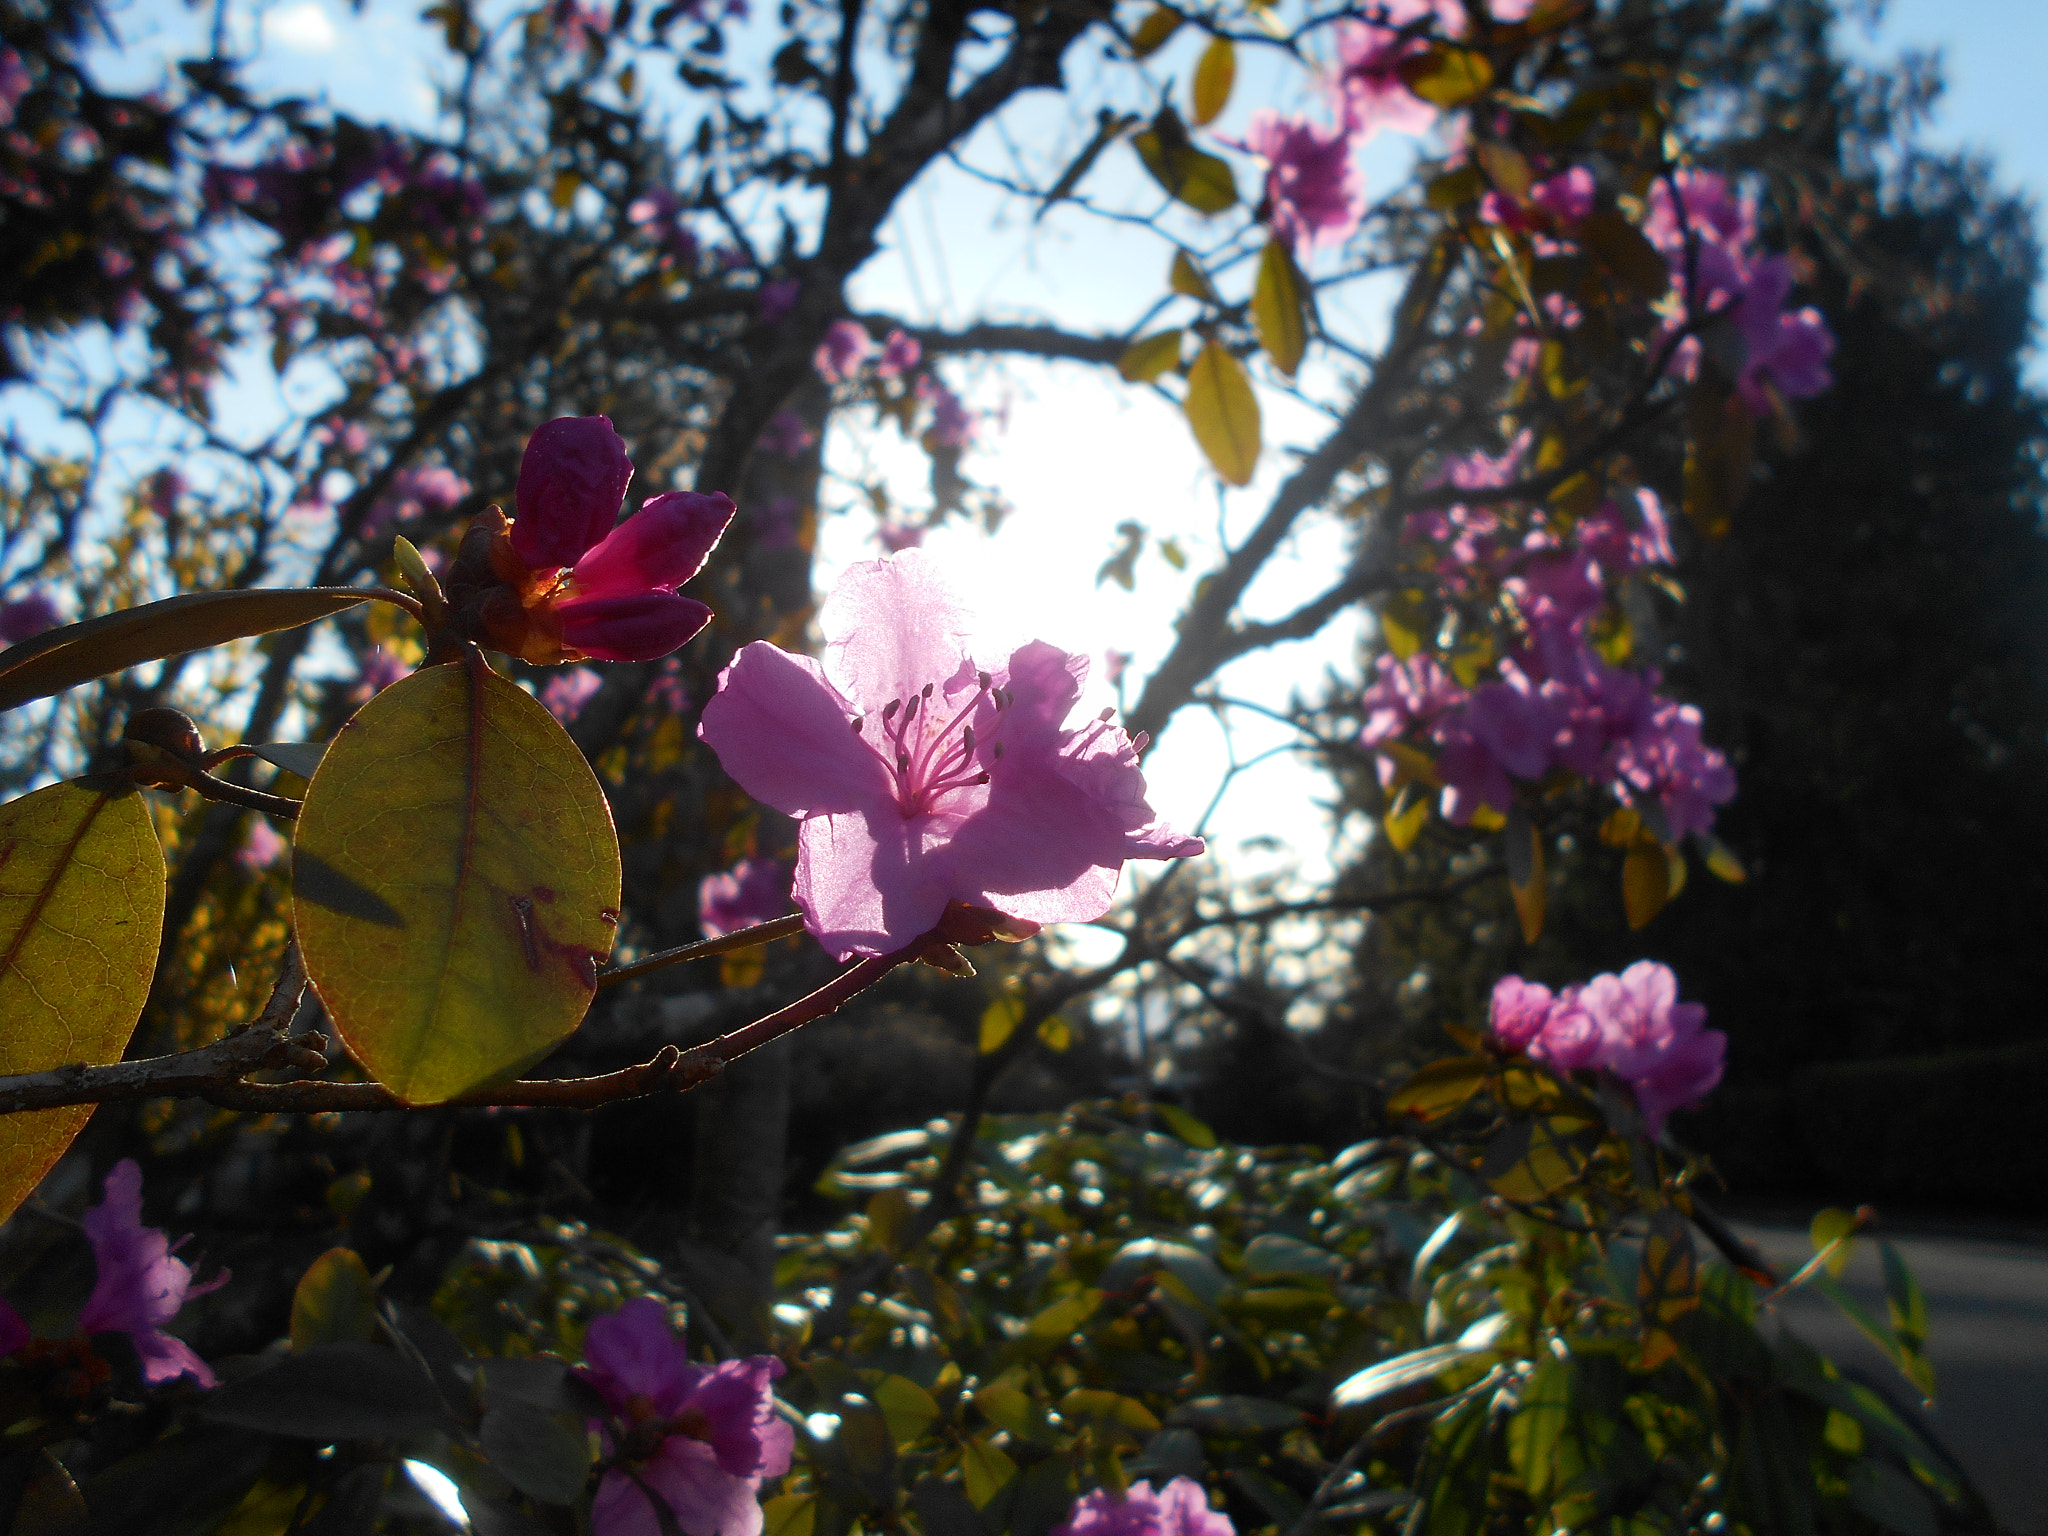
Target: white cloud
303	28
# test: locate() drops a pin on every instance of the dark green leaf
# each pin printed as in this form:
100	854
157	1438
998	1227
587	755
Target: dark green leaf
344	1391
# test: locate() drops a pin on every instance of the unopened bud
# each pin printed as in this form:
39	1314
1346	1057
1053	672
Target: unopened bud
171	730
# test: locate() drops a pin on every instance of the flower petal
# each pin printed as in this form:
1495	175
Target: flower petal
659	547
867	881
640	627
891	626
572	481
706	1500
634	1352
786	736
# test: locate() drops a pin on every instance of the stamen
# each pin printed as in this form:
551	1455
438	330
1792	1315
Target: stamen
967	734
858	722
890	709
902	761
910	709
1105	714
997	752
927	693
983	679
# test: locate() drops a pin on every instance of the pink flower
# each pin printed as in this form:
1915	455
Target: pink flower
1640	1016
14	84
701	1438
952	423
1567	197
1785	352
901	352
1369	83
1181	1508
619	602
924	778
845	347
378	670
140	1285
1667	758
777	299
28	616
261	846
567	692
1314	194
1114	664
786	436
1406	694
752	891
414	492
1518	1012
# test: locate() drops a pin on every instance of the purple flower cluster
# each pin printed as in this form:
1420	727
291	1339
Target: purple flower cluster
847	348
415	492
1555	703
1631	1026
657	214
1369	86
752	891
1706	232
141	1283
1181	1508
701	1438
1315	194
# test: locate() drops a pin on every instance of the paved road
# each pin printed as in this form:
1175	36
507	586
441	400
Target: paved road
1987	1306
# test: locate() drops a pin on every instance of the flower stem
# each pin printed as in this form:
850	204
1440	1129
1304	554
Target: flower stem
745	938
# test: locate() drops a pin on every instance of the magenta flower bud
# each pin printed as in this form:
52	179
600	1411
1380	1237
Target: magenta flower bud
901	352
845	347
639	627
661	546
1519	1011
572	481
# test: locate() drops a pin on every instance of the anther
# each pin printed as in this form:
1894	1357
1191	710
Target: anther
911	708
997	751
982	777
1105	714
902	761
858	722
967	735
983	679
890	708
927	693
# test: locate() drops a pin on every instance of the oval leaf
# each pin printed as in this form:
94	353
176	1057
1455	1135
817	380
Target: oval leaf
330	1392
1224	413
81	913
544	1455
1214	76
1155	30
78	653
1280	308
1150	356
334	1301
455	882
1186	276
1446	76
1645	883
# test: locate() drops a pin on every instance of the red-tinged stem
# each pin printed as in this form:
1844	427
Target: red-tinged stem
702	949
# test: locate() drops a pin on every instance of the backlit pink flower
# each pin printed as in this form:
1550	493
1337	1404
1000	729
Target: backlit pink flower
701	1438
1640	1016
752	891
261	846
846	346
568	691
622	603
140	1285
901	352
1181	1508
572	480
1518	1011
1370	54
1315	195
953	423
924	777
786	436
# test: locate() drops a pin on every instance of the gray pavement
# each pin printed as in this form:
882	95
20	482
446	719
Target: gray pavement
1987	1302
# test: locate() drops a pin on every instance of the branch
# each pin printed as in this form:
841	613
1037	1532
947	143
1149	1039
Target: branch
217	1073
1028	340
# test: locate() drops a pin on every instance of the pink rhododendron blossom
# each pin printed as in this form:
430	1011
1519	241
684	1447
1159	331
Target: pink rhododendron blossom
1315	195
896	535
776	299
901	352
924	777
1567	197
701	1438
140	1285
261	846
1631	1026
839	356
568	691
1370	53
618	599
1181	1508
752	891
1406	694
378	669
1785	352
786	436
27	616
15	83
414	492
952	423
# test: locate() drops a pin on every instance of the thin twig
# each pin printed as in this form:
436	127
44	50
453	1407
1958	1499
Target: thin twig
702	949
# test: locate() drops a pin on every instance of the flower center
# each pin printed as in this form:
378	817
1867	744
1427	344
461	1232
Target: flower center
929	758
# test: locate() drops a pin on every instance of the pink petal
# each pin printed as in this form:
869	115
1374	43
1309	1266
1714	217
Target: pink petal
786	736
634	1352
706	1501
661	546
572	481
891	626
866	882
641	627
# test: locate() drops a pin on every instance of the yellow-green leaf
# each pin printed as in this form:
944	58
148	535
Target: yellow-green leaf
1150	356
1439	1088
999	1020
563	192
789	1514
1446	76
81	912
1113	1415
1155	30
1506	167
1186	276
1215	73
1645	883
78	653
1188	1128
1530	894
456	882
1063	1317
1722	862
1831	1232
1224	413
988	1471
1055	1034
1280	308
1201	180
1404	823
334	1301
906	1407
